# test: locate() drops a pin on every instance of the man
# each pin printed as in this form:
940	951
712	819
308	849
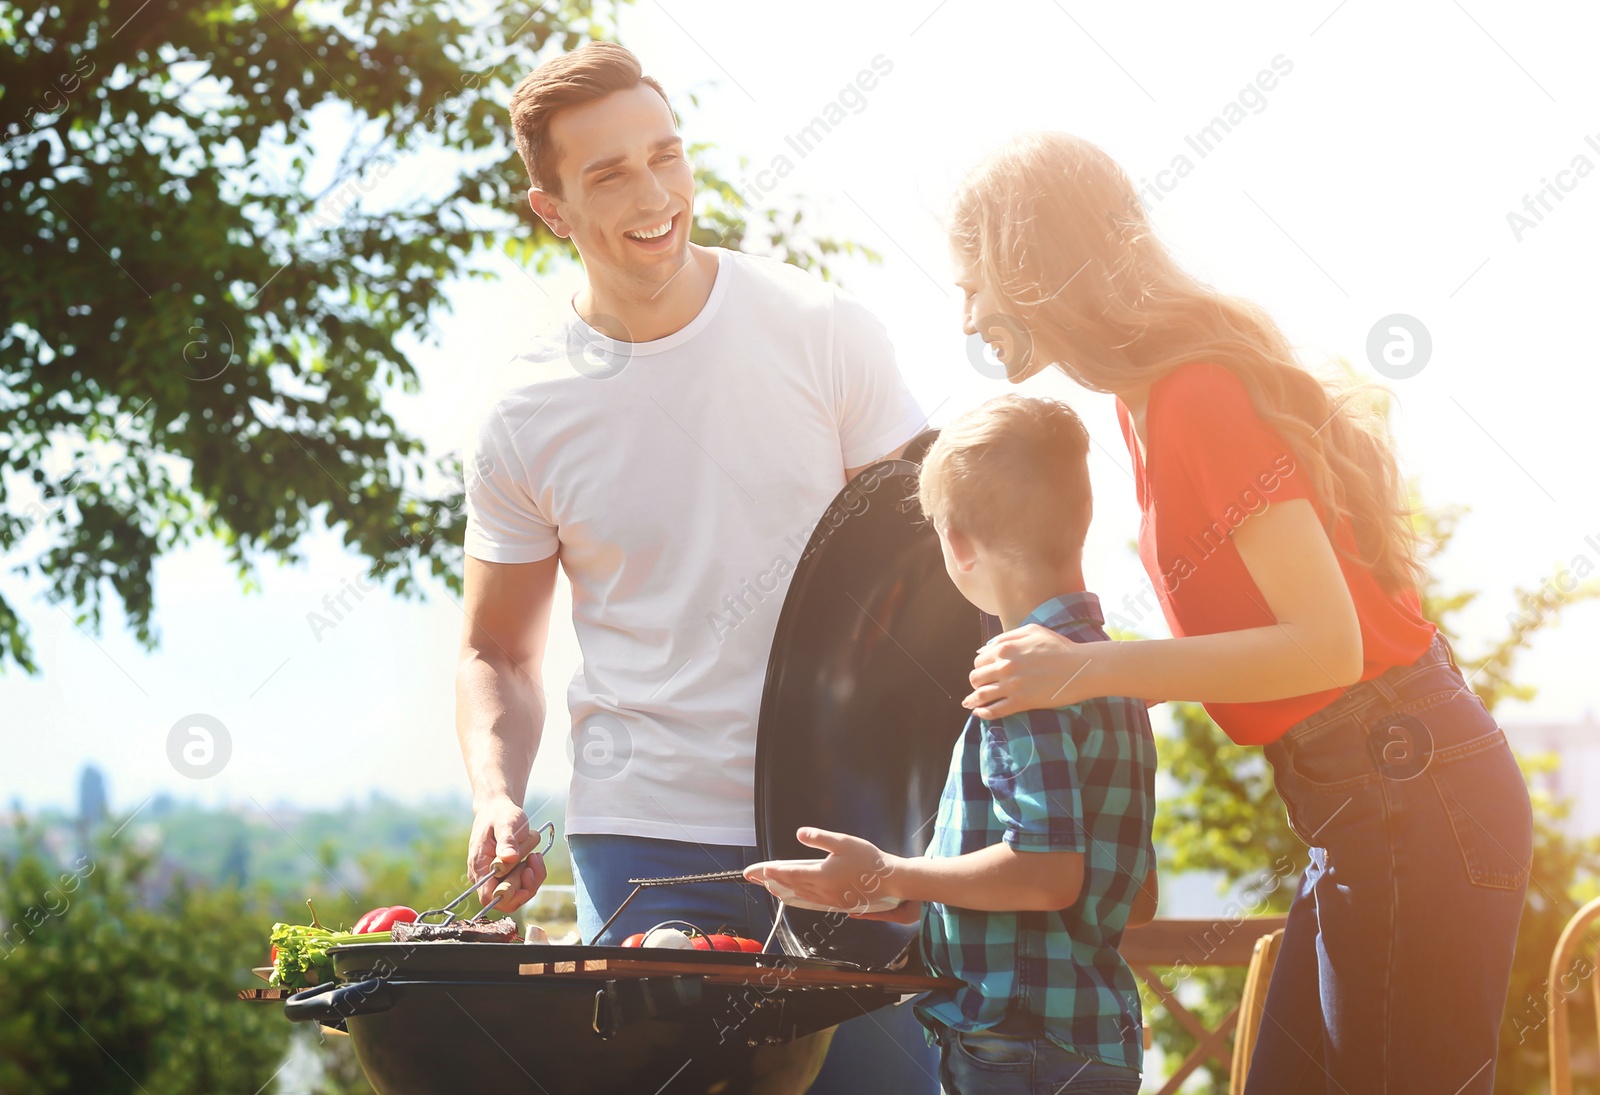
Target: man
672	446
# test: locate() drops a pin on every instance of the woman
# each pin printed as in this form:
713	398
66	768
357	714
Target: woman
1275	532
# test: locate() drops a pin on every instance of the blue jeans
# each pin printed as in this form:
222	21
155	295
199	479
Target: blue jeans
983	1062
1396	961
884	1051
602	865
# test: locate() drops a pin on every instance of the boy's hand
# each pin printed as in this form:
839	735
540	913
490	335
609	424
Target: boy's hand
907	912
852	876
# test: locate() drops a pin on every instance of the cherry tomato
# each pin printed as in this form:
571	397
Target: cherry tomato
634	940
721	942
749	946
700	942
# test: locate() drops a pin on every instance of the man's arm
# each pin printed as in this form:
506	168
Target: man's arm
500	711
851	473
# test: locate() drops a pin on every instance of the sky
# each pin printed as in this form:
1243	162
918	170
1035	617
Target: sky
1435	162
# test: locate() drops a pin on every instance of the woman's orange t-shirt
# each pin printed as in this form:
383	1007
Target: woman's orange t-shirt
1212	463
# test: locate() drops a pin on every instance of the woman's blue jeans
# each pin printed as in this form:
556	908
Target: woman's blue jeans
1396	961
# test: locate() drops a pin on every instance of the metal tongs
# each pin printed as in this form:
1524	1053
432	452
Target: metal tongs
548	828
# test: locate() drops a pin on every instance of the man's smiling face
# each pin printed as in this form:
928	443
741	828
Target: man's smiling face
627	191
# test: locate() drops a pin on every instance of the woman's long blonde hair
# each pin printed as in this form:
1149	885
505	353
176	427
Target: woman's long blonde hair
1052	226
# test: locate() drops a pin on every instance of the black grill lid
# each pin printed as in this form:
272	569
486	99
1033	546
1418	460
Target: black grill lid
862	702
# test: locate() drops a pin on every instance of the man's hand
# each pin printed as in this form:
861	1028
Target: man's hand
500	838
851	877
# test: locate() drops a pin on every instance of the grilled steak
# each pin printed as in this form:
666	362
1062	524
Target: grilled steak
500	930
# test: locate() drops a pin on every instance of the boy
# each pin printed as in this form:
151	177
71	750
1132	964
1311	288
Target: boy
1041	855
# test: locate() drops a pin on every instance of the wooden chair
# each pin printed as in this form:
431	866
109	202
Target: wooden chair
1252	1003
1167	944
1556	998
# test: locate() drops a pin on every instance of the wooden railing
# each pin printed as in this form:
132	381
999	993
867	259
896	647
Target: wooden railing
1161	952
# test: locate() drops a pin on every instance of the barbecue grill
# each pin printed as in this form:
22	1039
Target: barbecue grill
862	704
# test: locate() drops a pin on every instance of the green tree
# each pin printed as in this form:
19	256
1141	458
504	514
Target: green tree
205	307
111	986
119	973
1226	817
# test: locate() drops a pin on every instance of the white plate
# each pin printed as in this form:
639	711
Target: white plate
789	898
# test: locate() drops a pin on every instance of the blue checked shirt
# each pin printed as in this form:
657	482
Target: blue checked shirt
1067	779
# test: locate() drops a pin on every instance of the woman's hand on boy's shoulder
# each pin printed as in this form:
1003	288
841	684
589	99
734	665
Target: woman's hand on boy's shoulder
1033	668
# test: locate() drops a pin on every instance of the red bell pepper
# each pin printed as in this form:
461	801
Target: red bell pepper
384	918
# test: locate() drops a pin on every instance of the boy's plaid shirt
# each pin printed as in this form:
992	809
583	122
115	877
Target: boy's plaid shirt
1069	779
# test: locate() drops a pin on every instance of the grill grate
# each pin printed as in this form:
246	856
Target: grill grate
680	880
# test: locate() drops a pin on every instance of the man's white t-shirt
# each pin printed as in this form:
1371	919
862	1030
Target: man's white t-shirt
680	480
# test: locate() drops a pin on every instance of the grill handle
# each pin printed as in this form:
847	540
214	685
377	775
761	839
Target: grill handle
620	1004
332	1003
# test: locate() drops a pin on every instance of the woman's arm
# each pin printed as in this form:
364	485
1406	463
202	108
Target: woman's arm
1315	645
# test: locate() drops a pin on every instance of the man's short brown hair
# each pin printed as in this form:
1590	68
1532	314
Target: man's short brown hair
1012	474
590	72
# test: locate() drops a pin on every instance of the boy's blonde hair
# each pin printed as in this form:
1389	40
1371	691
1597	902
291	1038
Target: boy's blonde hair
1013	475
